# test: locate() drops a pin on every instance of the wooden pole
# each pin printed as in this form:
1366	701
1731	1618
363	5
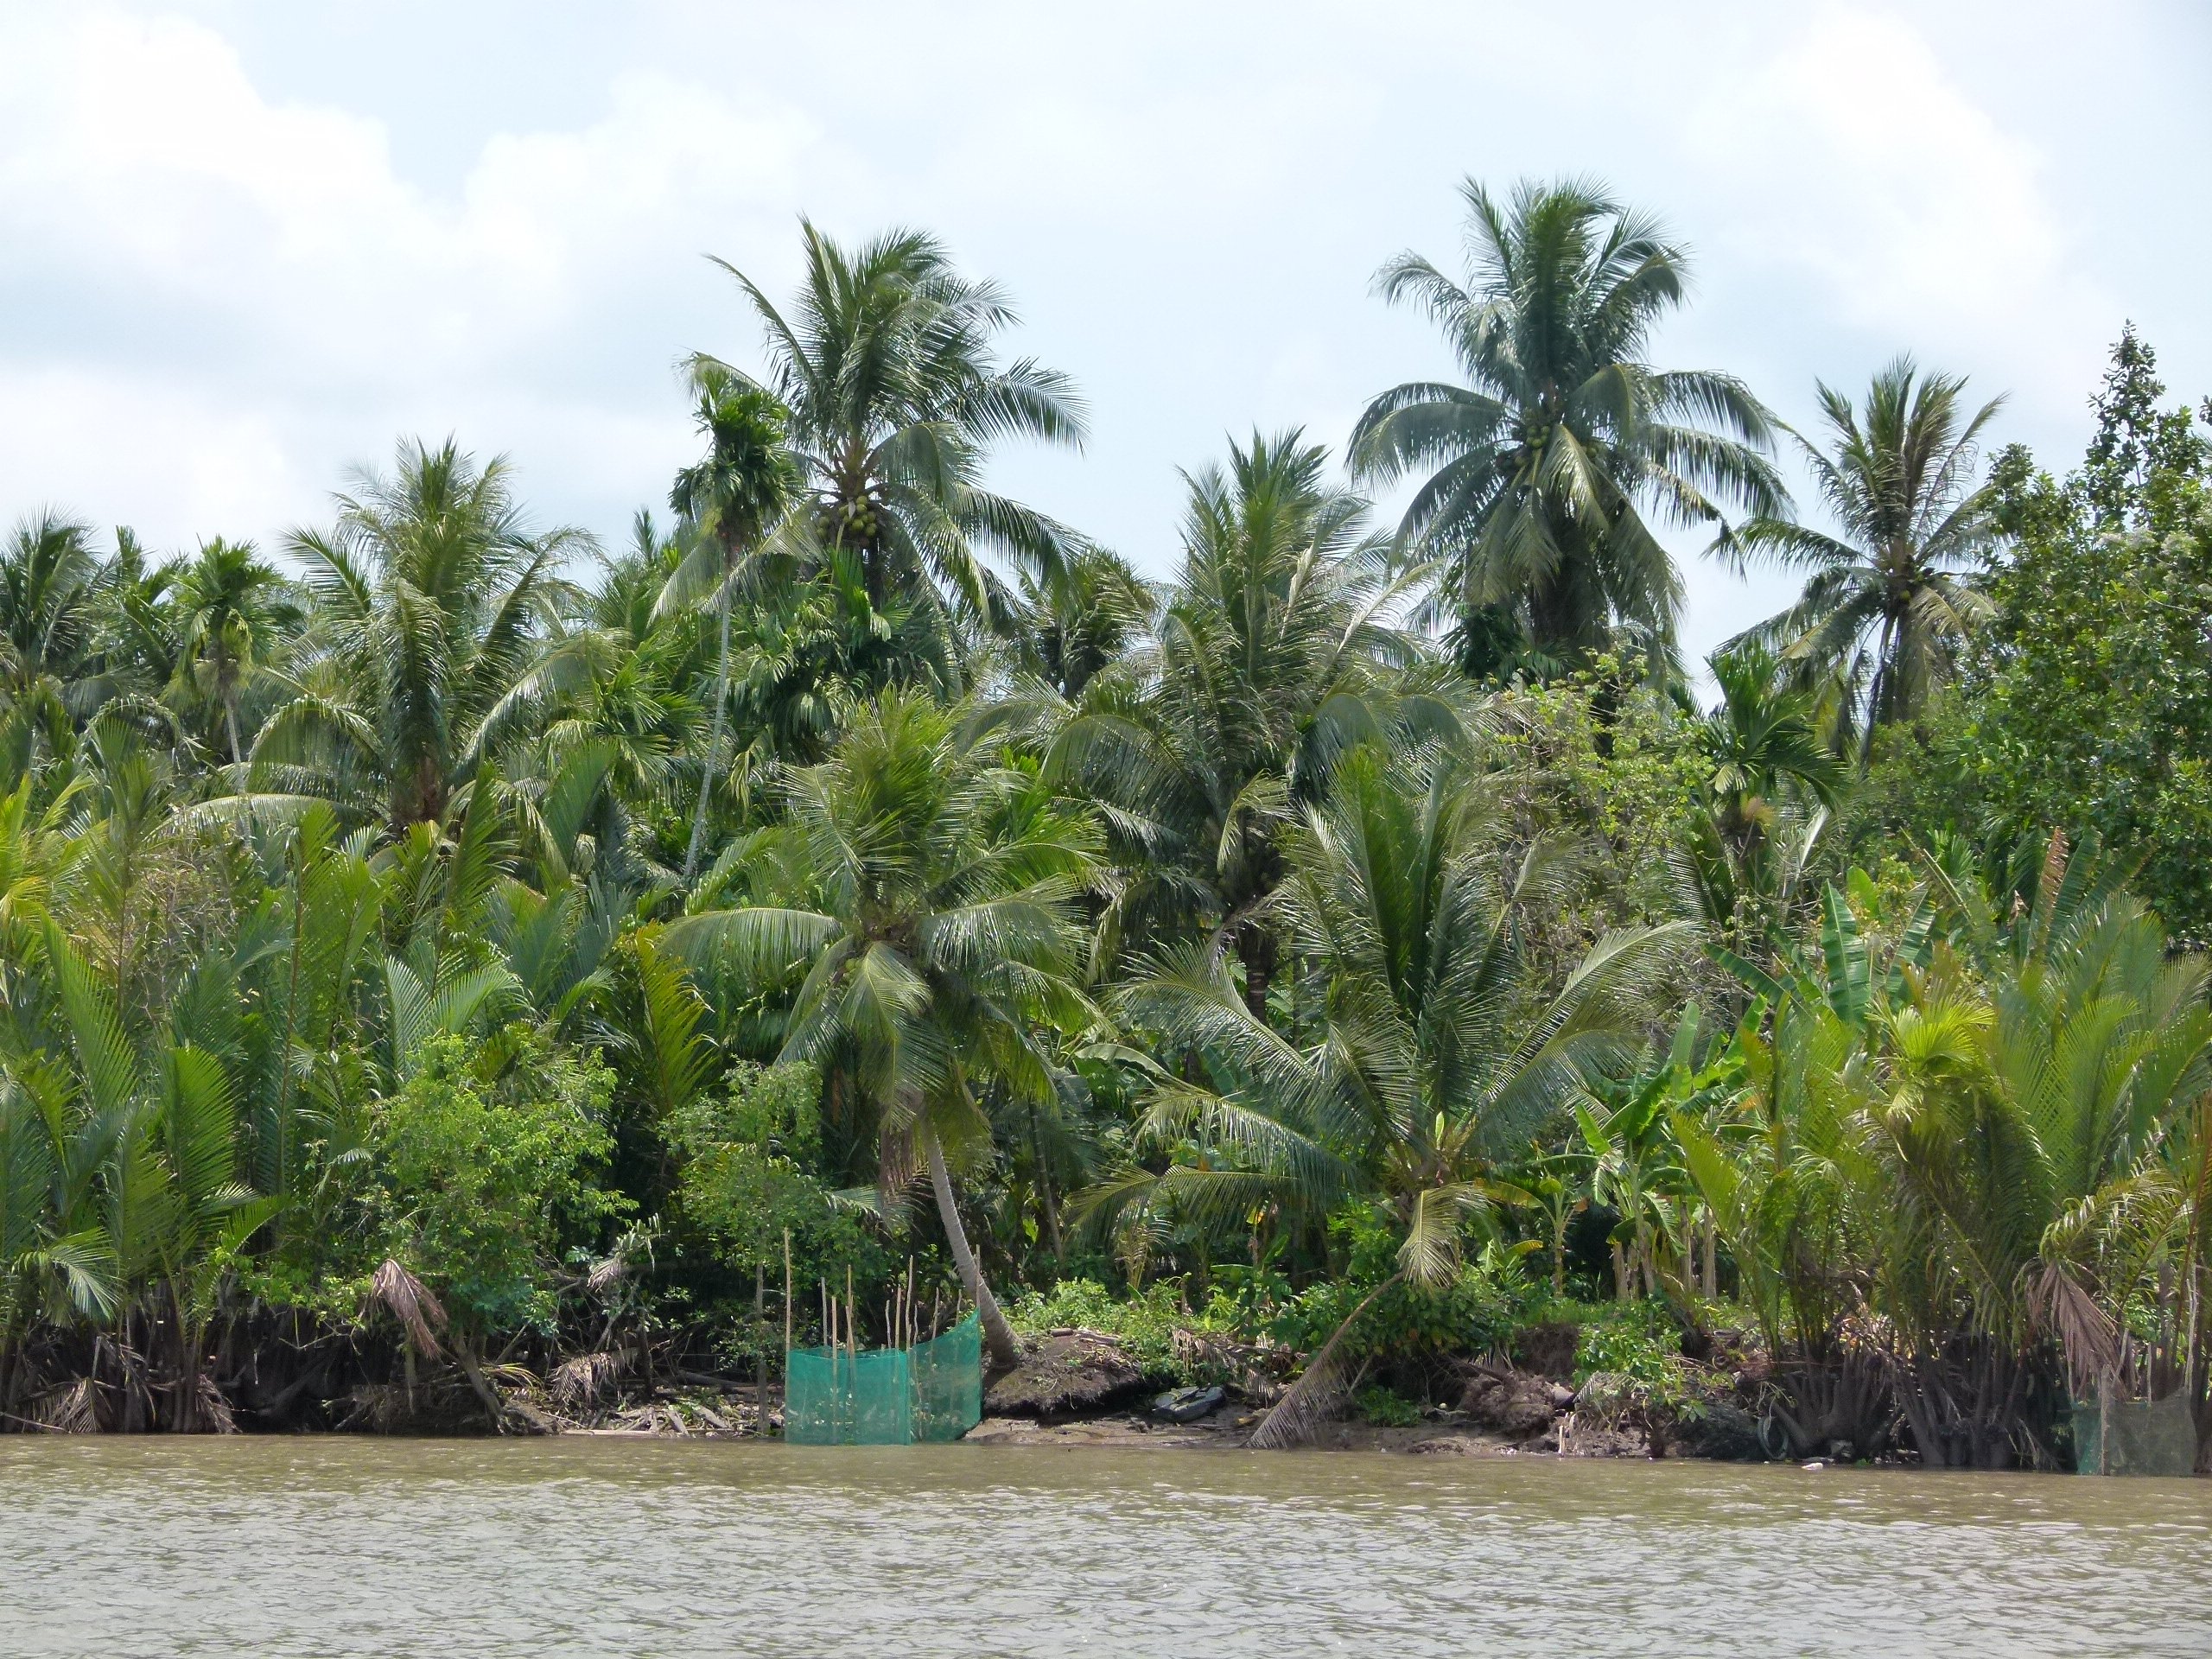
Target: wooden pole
787	1324
760	1355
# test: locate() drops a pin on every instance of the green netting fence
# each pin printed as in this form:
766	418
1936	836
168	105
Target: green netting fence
885	1396
2148	1438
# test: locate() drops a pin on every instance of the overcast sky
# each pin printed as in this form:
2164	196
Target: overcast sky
244	245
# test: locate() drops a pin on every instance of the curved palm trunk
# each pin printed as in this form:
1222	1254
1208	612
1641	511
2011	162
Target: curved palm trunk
715	743
231	721
998	1336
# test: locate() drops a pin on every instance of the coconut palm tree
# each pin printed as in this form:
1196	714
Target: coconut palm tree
1889	598
1439	1055
1275	651
1072	624
939	945
886	363
733	496
428	637
50	584
232	610
1538	473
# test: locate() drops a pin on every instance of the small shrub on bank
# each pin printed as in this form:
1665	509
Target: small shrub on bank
1386	1408
1639	1340
1477	1312
1146	1322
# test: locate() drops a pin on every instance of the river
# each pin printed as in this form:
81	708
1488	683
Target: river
111	1548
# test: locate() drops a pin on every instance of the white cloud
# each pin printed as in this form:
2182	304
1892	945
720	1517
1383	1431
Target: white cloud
1864	166
201	249
239	251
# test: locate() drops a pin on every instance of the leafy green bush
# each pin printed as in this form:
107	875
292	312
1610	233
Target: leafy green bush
747	1180
1638	1340
483	1182
1479	1310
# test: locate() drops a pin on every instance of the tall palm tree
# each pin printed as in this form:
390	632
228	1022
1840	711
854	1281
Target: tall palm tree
233	609
1441	1053
1537	474
50	584
432	593
1277	649
1889	598
887	364
733	495
939	943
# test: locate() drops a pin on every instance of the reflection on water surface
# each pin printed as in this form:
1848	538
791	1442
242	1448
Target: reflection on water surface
341	1546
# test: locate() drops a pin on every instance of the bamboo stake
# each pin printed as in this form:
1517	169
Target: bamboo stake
787	1330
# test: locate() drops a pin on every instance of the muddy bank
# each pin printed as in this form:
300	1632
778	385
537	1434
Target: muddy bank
1080	1388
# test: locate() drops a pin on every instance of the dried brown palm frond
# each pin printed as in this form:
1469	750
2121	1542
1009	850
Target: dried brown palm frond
382	1407
408	1300
215	1417
621	1262
1319	1391
1317	1396
585	1379
72	1408
606	1273
2092	1340
899	1169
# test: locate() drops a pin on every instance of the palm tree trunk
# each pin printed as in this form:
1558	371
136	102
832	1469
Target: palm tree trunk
186	1419
1256	948
999	1339
715	743
1047	1204
231	721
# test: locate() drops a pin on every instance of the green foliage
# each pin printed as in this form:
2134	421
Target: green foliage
1594	758
484	1183
1355	915
2092	707
1474	1312
1385	1408
1638	1340
748	1176
1536	475
1145	1320
1890	601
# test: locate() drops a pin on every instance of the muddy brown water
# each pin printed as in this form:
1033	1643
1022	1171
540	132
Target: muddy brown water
271	1547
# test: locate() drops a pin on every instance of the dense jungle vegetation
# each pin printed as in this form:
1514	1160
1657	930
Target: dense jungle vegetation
448	963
